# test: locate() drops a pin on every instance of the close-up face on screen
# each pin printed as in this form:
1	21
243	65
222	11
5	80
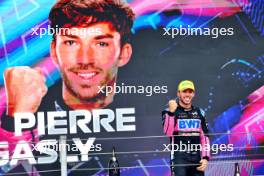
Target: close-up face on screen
131	87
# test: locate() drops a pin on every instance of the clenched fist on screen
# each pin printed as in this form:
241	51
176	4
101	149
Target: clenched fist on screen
25	88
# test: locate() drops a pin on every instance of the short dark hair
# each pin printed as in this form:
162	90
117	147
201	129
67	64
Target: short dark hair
70	13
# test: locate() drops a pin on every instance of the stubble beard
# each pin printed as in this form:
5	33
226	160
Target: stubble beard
95	97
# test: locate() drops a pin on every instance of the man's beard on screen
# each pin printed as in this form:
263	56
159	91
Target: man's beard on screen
97	95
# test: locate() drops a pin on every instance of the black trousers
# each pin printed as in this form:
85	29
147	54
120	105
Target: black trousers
186	164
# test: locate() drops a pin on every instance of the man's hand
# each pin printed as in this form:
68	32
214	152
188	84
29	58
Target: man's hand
203	166
25	88
172	105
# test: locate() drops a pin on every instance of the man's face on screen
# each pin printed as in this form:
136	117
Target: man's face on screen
89	58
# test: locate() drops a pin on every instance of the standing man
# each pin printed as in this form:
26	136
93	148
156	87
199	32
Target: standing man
187	127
